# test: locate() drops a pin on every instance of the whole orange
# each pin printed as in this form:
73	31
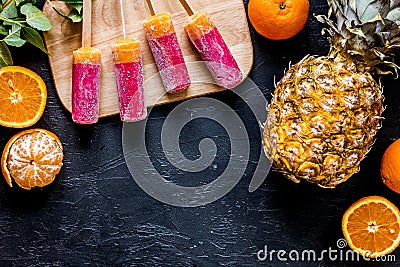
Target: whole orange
390	166
278	19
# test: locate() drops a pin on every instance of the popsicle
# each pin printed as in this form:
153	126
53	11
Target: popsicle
166	51
86	75
212	48
129	76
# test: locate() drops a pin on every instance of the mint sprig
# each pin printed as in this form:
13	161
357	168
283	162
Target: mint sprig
20	22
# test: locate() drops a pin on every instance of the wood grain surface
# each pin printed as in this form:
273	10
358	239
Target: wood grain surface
65	37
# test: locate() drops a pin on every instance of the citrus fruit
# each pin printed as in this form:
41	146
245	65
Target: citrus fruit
278	19
390	166
32	158
371	226
23	97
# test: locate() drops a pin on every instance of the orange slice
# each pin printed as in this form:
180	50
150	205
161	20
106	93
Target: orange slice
371	226
32	158
23	97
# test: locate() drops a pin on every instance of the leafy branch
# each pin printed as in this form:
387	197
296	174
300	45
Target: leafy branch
20	22
75	13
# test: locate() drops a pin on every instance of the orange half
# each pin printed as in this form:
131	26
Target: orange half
23	97
371	226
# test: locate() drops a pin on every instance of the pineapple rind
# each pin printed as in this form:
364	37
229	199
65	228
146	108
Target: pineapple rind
322	121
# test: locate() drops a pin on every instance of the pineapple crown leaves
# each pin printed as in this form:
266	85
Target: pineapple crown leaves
366	32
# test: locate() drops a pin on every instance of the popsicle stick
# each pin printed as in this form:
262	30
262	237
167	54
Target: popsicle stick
122	18
151	7
187	7
87	23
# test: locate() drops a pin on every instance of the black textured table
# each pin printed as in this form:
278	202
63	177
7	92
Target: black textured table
95	214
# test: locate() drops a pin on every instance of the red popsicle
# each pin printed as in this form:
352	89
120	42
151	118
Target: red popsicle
166	51
212	48
86	75
129	76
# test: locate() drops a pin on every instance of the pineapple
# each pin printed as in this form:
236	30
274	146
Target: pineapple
326	110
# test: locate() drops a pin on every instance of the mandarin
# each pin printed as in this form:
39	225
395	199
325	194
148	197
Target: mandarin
32	158
278	19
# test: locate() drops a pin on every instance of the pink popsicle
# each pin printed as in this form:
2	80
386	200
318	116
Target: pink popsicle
86	85
129	75
213	50
167	54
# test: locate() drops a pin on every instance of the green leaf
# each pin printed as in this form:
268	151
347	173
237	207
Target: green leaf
76	12
75	16
36	18
33	37
3	30
73	1
21	22
78	7
18	2
13	38
5	55
10	11
16	21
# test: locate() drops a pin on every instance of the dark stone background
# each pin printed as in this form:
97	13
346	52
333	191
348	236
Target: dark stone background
94	214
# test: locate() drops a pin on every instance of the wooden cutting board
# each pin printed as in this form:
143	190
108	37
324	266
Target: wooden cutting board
228	15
